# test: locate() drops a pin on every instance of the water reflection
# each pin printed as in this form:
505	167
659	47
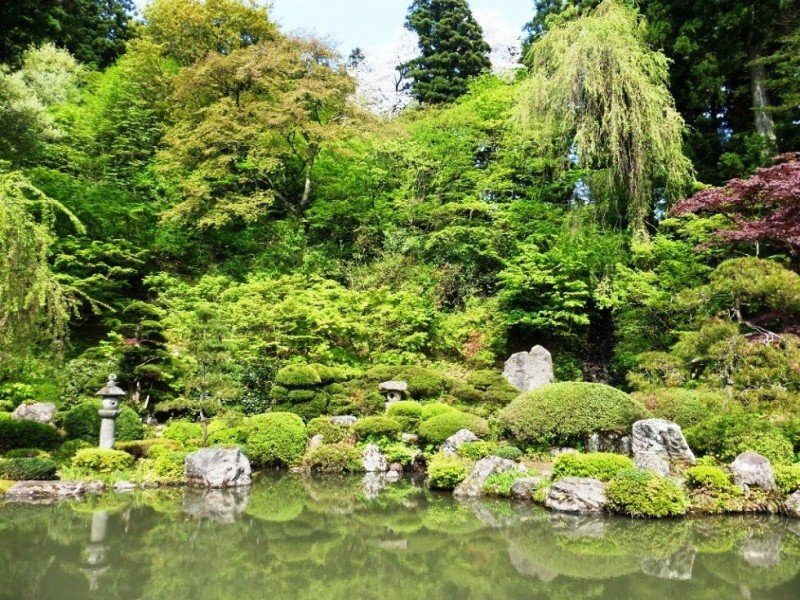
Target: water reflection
295	537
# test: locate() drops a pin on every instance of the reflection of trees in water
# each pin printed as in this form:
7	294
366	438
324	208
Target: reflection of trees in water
293	537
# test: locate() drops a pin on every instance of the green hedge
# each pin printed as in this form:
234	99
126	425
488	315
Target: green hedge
437	429
82	422
708	478
445	473
28	469
788	478
102	461
334	458
563	414
377	427
27	434
275	439
598	465
645	494
725	436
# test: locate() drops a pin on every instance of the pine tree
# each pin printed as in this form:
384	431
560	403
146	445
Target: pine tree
452	50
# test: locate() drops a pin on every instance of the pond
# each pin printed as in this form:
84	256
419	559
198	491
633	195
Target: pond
350	538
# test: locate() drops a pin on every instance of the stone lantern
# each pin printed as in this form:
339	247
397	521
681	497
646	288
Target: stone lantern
109	411
393	390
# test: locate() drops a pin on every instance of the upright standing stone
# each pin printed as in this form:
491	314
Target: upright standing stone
661	437
217	468
528	371
109	411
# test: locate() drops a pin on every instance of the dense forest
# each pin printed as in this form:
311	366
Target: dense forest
194	199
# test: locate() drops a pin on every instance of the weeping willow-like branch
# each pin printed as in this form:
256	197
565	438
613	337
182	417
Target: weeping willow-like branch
598	94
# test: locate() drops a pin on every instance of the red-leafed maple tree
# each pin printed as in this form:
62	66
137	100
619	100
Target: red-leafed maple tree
764	208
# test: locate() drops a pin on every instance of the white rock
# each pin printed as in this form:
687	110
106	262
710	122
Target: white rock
651	461
472	486
45	491
218	468
462	436
792	505
528	371
43	412
751	469
316	441
524	487
579	495
373	460
344	420
661	437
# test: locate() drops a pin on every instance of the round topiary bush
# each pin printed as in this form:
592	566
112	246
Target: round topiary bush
445	473
102	461
645	494
377	427
708	478
334	458
298	376
423	383
332	433
598	465
27	434
437	429
563	414
82	422
28	469
405	408
275	439
434	409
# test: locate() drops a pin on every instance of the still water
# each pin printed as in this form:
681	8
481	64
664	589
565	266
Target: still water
325	538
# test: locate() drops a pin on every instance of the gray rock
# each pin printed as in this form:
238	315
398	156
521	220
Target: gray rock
580	495
124	486
792	506
316	441
397	544
373	460
462	436
528	371
751	469
472	486
218	468
409	438
45	491
678	567
608	442
651	461
555	452
95	487
43	412
218	505
661	437
523	488
344	420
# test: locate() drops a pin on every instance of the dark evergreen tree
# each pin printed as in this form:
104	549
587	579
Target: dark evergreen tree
452	50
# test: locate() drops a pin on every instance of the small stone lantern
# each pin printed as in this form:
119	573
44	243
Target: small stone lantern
393	390
109	412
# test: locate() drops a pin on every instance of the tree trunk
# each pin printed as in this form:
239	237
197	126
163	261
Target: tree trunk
313	149
764	125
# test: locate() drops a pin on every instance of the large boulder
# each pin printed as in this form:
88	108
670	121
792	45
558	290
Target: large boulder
462	436
609	442
751	469
528	371
373	460
43	412
580	495
792	505
472	486
45	491
661	437
218	468
651	461
524	487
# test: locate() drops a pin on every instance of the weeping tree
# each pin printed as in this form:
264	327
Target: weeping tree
34	305
598	99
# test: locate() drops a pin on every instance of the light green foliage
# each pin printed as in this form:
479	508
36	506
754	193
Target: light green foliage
144	448
298	376
377	427
681	406
709	478
437	429
597	465
185	433
399	453
405	408
169	465
499	484
333	458
477	450
27	434
434	409
102	461
727	435
23	469
787	477
445	473
565	413
509	452
645	494
64	453
331	432
83	422
275	439
26	453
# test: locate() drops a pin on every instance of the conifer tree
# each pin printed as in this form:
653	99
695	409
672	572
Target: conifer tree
452	50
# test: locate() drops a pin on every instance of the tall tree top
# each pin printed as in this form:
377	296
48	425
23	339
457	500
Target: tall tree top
452	50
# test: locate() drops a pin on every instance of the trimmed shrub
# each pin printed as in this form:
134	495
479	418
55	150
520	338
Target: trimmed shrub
170	465
275	439
598	465
28	469
142	448
377	427
645	494
279	393
499	484
679	405
725	436
102	461
64	453
445	472
477	450
227	436
298	396
509	452
298	376
82	422
183	432
484	378
26	453
437	429
333	458
5	416
405	408
788	478
328	374
332	433
435	409
563	414
27	434
399	453
708	478
467	394
423	383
